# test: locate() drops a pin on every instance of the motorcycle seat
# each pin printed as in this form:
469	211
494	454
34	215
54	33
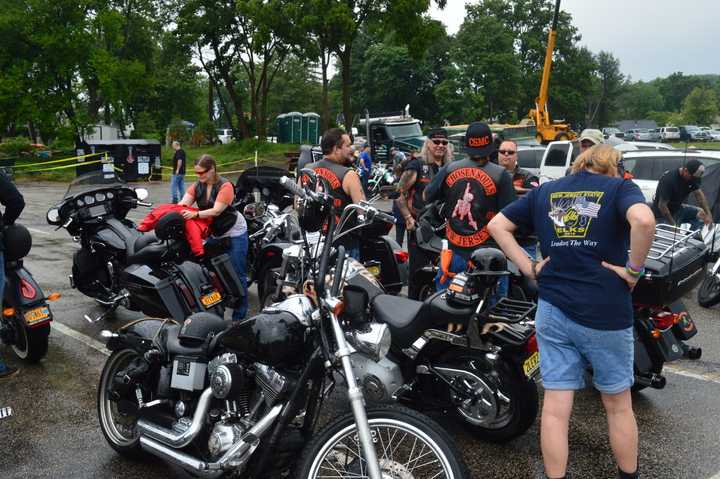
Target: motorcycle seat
146	249
406	318
193	347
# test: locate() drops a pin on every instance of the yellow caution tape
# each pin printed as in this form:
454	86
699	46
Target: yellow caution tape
27	165
219	164
63	166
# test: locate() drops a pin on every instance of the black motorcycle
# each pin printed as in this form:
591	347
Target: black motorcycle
244	398
26	315
154	273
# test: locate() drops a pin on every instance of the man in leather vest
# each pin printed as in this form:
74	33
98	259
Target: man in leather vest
344	182
416	176
474	191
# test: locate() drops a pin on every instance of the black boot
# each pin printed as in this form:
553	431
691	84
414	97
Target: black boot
628	475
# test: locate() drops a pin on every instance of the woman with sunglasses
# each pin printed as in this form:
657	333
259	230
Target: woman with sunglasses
214	195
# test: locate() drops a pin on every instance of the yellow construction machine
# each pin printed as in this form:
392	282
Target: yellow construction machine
548	130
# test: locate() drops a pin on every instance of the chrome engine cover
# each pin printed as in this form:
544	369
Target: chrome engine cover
379	380
223	436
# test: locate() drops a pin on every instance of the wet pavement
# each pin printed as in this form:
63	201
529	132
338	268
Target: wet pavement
54	431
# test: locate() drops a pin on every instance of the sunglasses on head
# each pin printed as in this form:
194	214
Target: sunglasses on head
440	142
507	152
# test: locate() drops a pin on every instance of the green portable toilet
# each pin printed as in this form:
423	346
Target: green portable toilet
282	135
311	128
295	119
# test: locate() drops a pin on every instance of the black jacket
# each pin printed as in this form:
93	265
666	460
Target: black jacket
12	200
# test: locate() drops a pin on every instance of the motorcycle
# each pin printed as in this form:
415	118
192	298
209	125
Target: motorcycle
154	273
485	377
709	291
379	253
380	175
244	398
26	314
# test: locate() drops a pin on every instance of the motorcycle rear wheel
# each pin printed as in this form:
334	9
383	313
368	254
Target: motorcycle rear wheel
31	344
709	291
404	441
509	399
118	429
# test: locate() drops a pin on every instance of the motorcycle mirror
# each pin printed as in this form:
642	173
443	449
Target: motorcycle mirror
389	192
53	216
141	193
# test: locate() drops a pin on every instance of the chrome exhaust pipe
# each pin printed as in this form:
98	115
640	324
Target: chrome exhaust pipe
171	438
235	457
178	458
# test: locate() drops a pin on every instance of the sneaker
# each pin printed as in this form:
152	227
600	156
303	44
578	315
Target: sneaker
7	372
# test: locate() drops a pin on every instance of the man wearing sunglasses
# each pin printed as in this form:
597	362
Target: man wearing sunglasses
523	180
415	177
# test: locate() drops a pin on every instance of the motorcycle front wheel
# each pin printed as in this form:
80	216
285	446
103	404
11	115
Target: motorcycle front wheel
409	445
117	426
709	291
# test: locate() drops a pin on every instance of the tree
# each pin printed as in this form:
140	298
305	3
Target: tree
700	106
610	83
640	99
676	87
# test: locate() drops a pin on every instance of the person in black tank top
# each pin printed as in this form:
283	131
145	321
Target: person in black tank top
214	196
345	186
416	176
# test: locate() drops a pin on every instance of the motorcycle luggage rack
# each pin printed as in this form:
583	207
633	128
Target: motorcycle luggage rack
510	311
667	239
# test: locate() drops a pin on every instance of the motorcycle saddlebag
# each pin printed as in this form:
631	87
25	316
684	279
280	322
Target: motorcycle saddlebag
671	271
229	279
666	346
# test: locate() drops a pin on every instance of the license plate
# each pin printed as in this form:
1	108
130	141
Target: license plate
531	364
211	299
36	315
374	270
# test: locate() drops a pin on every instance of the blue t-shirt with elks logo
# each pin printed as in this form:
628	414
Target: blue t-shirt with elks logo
580	221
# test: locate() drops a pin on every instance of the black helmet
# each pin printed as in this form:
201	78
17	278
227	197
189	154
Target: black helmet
170	226
488	262
16	241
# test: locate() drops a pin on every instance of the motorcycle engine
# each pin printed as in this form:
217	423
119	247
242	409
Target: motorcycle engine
223	436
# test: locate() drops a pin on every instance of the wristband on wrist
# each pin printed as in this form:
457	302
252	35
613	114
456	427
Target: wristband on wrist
633	271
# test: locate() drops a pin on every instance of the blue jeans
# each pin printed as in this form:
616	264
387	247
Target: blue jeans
177	187
458	265
2	294
238	258
568	348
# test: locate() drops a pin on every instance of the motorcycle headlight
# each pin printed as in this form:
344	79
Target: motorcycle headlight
53	216
374	340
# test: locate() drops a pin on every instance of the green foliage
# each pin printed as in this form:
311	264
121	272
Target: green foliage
14	147
178	132
700	107
641	98
204	134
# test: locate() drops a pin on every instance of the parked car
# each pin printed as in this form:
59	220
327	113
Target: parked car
701	135
630	134
647	167
530	157
642	134
643	146
669	133
608	132
655	134
715	134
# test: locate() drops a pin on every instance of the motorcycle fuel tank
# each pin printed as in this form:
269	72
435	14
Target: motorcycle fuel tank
273	337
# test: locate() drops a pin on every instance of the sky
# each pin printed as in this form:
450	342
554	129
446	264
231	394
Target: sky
651	38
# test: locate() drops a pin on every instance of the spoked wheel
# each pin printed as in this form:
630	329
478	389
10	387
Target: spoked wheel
30	344
117	425
709	291
505	402
408	445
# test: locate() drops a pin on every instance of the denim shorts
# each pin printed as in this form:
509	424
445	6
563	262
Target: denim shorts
567	349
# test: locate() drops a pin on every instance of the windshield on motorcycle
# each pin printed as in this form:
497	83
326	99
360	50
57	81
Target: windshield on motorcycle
92	181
